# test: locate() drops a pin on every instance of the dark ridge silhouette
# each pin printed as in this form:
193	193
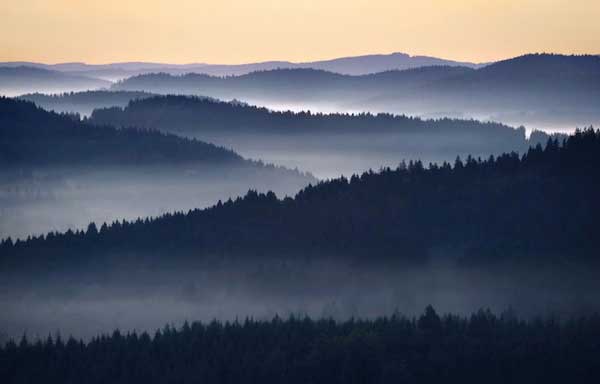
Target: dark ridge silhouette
21	79
538	208
543	75
31	136
309	140
83	102
190	114
430	348
535	67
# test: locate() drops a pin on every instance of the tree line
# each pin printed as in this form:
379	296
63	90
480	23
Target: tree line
429	348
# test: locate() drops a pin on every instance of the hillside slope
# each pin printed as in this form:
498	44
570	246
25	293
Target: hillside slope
325	144
59	173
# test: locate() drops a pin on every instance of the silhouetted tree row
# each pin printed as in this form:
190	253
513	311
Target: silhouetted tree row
482	348
31	136
542	206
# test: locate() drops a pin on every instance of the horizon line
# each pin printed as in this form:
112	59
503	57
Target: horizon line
200	63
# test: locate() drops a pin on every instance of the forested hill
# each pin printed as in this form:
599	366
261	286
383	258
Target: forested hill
537	207
203	116
328	145
575	72
197	114
31	136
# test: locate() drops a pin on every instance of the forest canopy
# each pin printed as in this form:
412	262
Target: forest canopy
430	348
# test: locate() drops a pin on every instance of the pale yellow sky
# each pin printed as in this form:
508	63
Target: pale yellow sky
237	31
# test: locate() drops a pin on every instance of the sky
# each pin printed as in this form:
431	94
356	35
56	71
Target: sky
239	31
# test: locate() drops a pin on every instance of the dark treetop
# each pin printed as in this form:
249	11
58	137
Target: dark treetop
428	349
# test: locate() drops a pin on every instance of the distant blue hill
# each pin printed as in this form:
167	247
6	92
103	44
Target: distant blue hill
353	65
19	80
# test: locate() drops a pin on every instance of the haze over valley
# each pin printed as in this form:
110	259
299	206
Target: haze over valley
135	150
540	91
60	173
259	192
327	145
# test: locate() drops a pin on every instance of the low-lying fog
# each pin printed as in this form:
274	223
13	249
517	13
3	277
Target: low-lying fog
329	156
61	199
147	298
551	120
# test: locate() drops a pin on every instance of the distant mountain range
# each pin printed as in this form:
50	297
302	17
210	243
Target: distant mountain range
522	75
17	80
544	91
355	65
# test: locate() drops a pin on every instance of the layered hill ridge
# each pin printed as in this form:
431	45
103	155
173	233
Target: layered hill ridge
542	90
31	136
177	113
59	172
353	65
309	140
530	68
538	208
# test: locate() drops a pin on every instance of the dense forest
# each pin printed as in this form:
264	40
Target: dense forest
426	349
535	208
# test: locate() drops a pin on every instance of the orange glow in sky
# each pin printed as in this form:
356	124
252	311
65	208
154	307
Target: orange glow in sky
236	31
